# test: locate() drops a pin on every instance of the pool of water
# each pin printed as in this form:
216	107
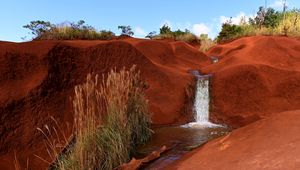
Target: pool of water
180	139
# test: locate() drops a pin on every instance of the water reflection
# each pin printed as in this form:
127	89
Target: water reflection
180	140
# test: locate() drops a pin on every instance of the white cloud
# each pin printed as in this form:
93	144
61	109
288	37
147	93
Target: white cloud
201	28
197	28
211	28
236	19
278	4
139	32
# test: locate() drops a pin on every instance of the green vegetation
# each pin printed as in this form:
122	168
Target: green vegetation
266	22
126	30
179	35
151	35
111	119
42	30
206	42
229	31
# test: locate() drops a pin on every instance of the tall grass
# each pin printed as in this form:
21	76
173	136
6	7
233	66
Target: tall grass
70	33
186	37
42	30
288	24
111	119
189	38
206	44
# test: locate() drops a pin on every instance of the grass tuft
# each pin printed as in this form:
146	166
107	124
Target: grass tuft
111	118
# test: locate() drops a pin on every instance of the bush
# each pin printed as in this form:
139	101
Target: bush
68	31
229	31
268	18
179	35
290	25
189	38
163	36
266	22
111	119
126	30
38	28
206	43
151	35
165	29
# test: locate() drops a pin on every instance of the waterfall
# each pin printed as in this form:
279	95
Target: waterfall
201	103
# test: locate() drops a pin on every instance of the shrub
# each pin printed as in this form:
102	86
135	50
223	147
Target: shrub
266	17
179	35
188	37
163	36
266	22
38	28
151	35
290	25
111	119
126	30
206	43
67	31
229	31
165	29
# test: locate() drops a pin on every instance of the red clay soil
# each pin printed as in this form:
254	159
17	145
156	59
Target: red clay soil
269	144
38	78
256	80
255	76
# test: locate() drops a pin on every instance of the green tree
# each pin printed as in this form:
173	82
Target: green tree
165	29
80	25
38	27
126	30
229	31
151	35
266	17
180	33
272	18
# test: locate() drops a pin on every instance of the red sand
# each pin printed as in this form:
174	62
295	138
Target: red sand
256	78
38	79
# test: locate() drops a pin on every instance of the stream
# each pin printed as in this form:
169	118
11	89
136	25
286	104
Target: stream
182	139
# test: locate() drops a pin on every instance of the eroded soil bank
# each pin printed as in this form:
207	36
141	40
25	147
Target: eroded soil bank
255	88
38	78
256	78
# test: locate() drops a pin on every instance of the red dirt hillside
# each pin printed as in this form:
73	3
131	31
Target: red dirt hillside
38	79
257	79
255	76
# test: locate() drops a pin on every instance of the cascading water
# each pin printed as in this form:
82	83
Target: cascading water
184	138
201	103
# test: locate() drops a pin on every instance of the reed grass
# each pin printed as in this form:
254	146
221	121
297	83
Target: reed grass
111	118
206	44
186	37
65	32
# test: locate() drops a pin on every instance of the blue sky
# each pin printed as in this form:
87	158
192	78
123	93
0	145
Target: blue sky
199	16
